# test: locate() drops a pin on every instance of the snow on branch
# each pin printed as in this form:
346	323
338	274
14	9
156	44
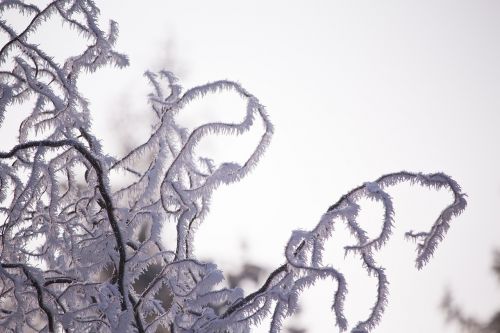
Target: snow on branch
74	252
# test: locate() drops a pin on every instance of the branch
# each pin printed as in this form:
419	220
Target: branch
108	204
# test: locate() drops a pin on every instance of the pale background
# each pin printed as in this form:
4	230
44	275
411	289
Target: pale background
355	89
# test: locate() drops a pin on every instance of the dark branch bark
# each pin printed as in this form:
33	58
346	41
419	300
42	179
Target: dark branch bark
102	190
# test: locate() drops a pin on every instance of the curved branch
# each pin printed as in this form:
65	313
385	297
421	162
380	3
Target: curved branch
108	204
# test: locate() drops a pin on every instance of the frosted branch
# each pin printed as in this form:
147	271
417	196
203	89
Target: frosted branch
80	255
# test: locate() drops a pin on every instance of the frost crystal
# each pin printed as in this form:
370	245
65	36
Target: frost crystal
86	271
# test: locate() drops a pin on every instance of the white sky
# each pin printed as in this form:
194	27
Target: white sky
355	89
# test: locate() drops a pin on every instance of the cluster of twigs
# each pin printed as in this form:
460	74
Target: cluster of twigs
70	255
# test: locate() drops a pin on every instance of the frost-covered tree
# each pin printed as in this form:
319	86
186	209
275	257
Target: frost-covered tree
74	249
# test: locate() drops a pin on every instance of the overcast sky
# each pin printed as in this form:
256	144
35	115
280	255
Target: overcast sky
355	89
